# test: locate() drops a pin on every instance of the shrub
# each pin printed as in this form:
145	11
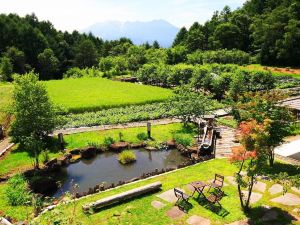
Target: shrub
76	72
142	136
126	157
183	139
45	156
17	191
108	141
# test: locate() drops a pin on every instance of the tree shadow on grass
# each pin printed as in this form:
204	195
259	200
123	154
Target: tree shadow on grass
52	145
215	208
279	167
276	216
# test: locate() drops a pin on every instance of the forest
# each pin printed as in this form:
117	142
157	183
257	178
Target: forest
262	31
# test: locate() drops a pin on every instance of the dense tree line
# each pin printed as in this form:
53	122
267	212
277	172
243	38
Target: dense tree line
29	44
269	29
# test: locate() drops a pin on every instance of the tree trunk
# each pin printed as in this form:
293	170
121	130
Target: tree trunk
249	194
36	165
271	157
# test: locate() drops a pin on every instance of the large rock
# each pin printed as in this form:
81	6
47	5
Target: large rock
118	146
88	152
287	199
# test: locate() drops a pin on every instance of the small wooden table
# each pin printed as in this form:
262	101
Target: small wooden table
199	187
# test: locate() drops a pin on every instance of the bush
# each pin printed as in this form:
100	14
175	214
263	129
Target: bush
142	136
76	72
220	56
108	141
126	157
183	139
17	191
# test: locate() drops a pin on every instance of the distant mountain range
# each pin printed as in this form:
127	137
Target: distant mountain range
139	32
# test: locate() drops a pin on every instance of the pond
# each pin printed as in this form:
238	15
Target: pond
106	168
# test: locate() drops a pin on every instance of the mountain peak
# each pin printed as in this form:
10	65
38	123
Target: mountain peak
138	31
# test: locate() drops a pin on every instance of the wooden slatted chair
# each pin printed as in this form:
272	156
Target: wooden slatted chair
215	197
180	195
217	183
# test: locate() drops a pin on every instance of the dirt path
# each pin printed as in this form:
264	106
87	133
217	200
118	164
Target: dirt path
5	145
117	126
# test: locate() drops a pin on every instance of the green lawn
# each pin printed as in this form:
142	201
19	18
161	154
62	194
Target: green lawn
91	94
139	210
159	133
18	160
5	99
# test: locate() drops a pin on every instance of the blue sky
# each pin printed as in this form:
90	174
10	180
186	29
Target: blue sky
79	14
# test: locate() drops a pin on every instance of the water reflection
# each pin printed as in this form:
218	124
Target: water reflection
106	168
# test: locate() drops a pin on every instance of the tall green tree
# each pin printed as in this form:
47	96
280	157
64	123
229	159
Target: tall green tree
181	37
48	64
6	69
17	58
227	35
35	116
86	54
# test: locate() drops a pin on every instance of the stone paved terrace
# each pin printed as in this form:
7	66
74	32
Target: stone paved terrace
226	142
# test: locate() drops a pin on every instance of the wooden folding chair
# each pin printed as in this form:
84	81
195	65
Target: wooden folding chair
181	196
217	183
215	197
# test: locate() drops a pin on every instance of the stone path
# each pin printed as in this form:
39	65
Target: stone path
255	197
5	145
240	222
231	180
259	186
168	196
296	190
175	213
287	199
275	189
197	220
224	144
157	204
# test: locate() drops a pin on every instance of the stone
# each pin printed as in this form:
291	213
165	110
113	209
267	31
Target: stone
255	197
175	213
259	186
296	190
88	152
197	220
157	204
287	199
149	148
271	214
171	144
118	146
168	196
296	210
231	180
240	222
276	189
138	145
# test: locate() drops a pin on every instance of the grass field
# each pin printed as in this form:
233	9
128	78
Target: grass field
91	94
139	210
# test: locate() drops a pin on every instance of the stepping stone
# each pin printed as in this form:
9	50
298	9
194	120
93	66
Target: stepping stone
197	220
189	187
157	204
271	214
259	186
296	210
175	213
231	180
240	222
275	189
296	190
168	196
255	197
287	199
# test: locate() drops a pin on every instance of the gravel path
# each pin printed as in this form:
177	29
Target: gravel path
118	126
5	145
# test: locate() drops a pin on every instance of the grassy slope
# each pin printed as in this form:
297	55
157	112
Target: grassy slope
139	210
5	99
18	160
94	93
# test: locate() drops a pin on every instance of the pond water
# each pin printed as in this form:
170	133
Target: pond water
106	168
